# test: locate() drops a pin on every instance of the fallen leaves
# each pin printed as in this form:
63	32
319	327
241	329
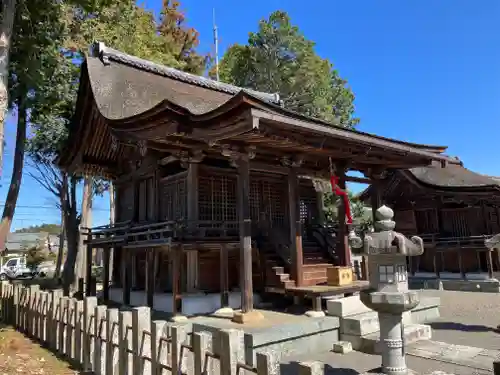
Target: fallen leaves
18	354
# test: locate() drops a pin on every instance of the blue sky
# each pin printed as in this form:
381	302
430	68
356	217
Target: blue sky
423	71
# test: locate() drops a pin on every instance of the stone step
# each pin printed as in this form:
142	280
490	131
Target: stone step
366	323
371	343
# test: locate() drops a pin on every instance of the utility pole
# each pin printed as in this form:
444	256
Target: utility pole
216	43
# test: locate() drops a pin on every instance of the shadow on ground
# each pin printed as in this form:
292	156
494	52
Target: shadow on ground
292	368
453	326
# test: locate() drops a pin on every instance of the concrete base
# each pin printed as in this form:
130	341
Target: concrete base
475	285
360	325
248	317
178	319
371	343
224	312
288	334
192	303
315	314
342	347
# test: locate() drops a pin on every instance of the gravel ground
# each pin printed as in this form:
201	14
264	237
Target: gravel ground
467	318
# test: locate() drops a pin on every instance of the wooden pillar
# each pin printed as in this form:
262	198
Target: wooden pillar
192	213
176	254
88	270
489	262
150	276
297	256
461	264
107	272
245	235
344	252
126	276
224	277
133	269
434	264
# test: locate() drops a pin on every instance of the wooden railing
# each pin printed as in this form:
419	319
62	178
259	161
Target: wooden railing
160	233
436	240
442	247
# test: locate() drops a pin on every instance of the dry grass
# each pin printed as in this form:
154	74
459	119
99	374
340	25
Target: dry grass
20	355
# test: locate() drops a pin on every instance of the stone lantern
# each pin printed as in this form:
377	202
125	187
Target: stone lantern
386	252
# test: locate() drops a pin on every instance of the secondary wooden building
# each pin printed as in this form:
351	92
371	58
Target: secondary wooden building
214	183
452	208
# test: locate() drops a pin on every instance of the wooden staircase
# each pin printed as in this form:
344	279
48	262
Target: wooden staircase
314	270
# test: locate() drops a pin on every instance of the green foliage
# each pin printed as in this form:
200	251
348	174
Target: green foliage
279	58
358	209
47	228
36	255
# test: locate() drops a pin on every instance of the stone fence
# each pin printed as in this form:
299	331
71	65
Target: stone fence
111	341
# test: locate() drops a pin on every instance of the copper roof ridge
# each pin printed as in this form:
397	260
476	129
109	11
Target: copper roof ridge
105	54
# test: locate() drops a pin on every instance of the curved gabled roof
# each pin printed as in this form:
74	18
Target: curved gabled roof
137	98
452	178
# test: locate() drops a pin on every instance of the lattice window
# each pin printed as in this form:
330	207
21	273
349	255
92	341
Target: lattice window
455	223
255	200
426	221
308	204
217	198
274	192
494	224
173	198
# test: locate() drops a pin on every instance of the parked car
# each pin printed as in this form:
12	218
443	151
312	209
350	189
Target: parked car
15	268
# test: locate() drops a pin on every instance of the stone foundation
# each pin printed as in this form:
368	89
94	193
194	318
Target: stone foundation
476	285
297	337
359	325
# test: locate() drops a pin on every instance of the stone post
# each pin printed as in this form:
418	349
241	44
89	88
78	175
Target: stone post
386	251
112	342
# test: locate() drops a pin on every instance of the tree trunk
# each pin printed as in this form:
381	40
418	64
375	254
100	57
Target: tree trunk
112	205
86	222
72	236
63	196
6	26
17	173
112	219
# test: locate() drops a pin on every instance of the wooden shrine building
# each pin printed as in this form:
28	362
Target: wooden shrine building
214	188
452	208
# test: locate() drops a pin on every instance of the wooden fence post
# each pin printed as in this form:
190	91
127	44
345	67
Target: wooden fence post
158	350
141	341
99	357
112	341
125	337
268	364
179	336
31	309
63	324
231	350
44	319
200	342
89	305
55	307
76	351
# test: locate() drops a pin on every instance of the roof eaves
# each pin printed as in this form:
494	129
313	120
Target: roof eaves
105	54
